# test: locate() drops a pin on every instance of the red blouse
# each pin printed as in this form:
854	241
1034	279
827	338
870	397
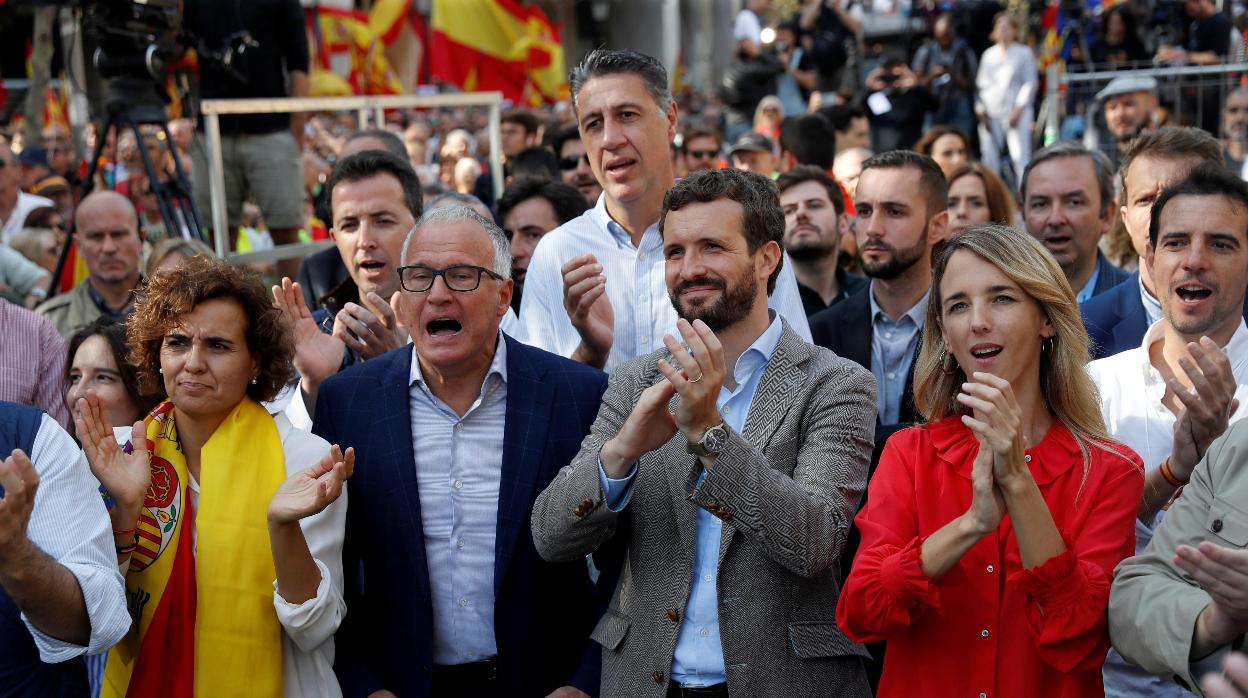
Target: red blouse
987	627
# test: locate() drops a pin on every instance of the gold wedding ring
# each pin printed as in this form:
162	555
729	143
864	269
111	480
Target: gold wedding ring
695	380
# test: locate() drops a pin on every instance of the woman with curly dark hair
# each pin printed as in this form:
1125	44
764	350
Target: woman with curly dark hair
213	499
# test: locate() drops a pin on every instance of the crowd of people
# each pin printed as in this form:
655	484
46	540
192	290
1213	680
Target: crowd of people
974	410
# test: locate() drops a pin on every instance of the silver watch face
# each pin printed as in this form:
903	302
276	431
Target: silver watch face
715	438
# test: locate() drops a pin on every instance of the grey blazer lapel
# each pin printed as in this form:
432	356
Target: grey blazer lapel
772	400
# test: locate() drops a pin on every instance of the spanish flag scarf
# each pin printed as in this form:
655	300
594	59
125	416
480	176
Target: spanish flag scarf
202	607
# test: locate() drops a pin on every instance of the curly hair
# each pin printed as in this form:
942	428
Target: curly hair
170	296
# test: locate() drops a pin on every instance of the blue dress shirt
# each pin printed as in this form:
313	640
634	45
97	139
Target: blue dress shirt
892	349
699	656
459	462
1089	289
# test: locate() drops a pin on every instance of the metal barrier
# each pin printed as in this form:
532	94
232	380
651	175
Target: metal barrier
1186	87
374	105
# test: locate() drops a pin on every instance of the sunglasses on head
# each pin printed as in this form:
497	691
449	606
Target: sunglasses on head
569	162
704	154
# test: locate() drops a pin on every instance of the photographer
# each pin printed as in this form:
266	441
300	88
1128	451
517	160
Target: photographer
896	105
946	66
835	27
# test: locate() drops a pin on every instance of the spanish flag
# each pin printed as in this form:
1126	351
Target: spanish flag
499	45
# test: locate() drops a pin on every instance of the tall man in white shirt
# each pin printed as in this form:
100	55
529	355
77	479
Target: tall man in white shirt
1171	397
595	289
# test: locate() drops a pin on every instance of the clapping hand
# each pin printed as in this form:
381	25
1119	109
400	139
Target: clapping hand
589	309
125	476
699	378
1223	574
1233	682
987	504
19	481
1207	407
309	491
317	355
996	419
372	328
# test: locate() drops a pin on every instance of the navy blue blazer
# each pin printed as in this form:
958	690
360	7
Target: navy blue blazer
543	611
1109	276
1116	320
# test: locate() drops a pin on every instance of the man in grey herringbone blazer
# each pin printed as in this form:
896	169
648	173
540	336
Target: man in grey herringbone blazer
727	470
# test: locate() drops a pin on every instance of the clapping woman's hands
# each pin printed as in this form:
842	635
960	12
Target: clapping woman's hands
987	504
309	491
125	476
997	420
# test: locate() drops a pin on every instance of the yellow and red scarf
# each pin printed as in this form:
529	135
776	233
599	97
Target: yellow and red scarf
202	608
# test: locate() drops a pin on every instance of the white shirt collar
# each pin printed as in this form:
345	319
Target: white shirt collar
1236	349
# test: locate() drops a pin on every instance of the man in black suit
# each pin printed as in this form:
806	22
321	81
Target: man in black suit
900	200
1118	319
1068	204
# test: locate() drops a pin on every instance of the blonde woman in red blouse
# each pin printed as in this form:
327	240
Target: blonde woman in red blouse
990	534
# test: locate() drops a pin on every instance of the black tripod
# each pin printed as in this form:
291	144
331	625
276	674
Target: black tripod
173	194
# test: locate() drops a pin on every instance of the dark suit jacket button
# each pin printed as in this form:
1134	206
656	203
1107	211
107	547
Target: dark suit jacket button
672	615
587	503
1217	525
657	676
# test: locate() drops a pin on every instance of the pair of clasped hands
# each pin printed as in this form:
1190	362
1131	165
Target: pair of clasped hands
697	376
996	420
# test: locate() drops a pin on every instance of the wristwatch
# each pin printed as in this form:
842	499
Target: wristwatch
713	441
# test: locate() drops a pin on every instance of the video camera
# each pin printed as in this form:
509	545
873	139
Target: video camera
130	44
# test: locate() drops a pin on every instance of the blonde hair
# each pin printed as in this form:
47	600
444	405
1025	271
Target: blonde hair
1068	390
170	246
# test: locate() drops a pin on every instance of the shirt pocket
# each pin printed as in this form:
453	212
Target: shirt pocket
821	640
611	629
1226	524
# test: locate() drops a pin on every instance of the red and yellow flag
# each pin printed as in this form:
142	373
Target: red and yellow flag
497	45
361	37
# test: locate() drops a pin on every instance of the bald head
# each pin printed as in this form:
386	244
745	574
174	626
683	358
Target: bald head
106	229
105	202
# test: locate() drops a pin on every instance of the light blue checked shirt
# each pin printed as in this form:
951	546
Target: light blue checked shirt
636	287
699	656
459	463
892	350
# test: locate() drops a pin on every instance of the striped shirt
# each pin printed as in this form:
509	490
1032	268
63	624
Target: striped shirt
32	361
459	465
636	287
70	524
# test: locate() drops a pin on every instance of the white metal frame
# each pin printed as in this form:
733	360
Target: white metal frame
212	109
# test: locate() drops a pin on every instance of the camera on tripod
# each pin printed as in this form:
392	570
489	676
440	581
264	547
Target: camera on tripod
133	42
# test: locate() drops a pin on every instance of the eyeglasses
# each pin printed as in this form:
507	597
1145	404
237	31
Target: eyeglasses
703	154
569	162
419	278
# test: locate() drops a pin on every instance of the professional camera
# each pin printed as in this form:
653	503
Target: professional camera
130	42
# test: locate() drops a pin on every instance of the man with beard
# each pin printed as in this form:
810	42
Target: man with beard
1068	204
1169	399
594	290
814	221
1235	129
1127	104
733	429
574	164
900	200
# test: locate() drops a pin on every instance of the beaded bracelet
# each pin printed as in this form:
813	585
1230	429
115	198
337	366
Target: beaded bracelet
128	549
